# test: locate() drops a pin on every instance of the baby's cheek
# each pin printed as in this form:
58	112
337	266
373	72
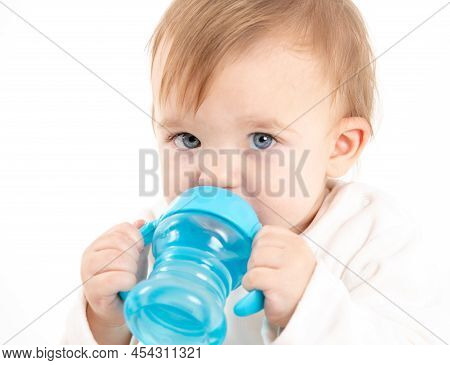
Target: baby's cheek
283	211
179	172
291	189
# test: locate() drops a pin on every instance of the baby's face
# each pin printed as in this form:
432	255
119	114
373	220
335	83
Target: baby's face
247	137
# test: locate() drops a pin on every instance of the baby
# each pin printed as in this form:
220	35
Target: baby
273	101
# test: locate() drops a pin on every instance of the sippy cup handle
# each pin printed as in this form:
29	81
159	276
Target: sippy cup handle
147	231
252	303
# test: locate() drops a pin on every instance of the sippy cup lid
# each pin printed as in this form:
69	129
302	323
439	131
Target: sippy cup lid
217	201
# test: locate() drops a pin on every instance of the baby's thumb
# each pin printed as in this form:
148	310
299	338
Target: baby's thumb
139	223
143	264
149	216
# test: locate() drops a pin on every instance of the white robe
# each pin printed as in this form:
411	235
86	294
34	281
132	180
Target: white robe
372	283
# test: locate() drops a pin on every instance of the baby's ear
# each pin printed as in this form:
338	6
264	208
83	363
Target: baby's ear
351	136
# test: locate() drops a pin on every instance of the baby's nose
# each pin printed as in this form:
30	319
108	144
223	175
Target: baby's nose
220	168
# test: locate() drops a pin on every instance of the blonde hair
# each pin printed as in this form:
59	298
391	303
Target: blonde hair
203	33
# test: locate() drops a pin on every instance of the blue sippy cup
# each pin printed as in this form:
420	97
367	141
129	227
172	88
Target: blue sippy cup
201	245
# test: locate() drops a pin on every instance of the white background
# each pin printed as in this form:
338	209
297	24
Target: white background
69	144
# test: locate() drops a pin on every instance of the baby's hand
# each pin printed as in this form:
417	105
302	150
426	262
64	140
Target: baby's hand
113	262
280	265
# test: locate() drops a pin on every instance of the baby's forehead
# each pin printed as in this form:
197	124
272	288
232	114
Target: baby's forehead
269	54
269	76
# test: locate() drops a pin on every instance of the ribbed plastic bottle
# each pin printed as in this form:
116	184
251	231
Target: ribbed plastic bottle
201	245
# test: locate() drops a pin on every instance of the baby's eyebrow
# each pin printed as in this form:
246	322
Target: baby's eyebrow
265	123
168	123
253	122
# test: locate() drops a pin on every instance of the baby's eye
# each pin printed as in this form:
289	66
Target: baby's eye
261	141
186	141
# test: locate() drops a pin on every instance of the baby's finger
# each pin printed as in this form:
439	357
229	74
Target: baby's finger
147	214
109	260
271	240
261	278
109	283
139	223
128	229
266	256
119	241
